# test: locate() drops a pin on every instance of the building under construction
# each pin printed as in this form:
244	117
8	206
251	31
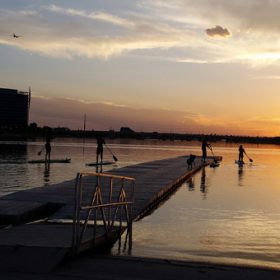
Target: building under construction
14	108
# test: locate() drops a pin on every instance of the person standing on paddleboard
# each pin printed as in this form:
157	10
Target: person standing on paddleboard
48	148
204	147
241	153
99	149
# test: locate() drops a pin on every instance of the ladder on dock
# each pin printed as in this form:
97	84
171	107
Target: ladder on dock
108	206
100	212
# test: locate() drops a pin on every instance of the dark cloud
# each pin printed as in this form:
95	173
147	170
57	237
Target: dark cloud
217	31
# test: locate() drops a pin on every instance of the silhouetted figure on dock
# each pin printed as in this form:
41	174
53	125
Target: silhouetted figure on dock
99	149
190	161
241	153
204	147
48	148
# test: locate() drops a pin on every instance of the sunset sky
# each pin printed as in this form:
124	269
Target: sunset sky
171	66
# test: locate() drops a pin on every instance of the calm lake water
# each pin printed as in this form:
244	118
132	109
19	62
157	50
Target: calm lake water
226	214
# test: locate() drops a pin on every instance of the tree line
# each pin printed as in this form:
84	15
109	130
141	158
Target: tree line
33	132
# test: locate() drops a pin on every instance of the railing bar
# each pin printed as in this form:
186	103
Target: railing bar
102	213
125	242
107	175
124	196
95	225
110	202
115	214
80	222
75	216
132	200
120	227
89	209
114	217
121	196
78	208
106	205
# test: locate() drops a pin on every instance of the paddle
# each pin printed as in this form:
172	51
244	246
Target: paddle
248	157
39	153
114	157
213	154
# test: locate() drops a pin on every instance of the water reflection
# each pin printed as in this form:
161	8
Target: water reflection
191	184
47	173
99	168
125	243
240	175
13	152
236	220
203	185
242	170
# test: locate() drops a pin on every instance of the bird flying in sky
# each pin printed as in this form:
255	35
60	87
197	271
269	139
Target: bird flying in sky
15	36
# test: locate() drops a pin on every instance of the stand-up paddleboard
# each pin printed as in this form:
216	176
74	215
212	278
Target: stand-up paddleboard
240	163
214	164
63	160
100	163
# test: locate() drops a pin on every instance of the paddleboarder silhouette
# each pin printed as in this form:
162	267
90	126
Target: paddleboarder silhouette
241	153
204	147
48	148
99	149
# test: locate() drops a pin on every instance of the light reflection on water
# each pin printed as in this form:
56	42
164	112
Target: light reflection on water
226	214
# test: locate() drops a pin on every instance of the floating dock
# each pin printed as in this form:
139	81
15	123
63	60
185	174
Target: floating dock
51	223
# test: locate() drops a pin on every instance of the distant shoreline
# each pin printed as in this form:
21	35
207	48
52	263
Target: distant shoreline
33	133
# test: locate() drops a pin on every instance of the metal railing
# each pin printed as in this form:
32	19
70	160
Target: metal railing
102	201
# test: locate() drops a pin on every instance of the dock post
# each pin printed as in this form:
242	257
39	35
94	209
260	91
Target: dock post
130	237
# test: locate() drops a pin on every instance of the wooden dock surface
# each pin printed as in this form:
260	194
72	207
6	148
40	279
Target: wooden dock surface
154	181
